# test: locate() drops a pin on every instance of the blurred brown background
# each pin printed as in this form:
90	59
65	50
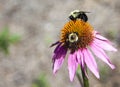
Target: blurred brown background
39	22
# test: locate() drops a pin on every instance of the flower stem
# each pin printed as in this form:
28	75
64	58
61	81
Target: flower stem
79	79
85	79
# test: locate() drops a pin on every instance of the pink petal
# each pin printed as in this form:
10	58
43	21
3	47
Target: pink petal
79	55
55	44
97	35
57	48
104	45
72	65
81	61
80	58
57	64
58	58
102	55
90	62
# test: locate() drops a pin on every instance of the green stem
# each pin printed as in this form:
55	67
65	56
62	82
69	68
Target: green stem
79	79
85	79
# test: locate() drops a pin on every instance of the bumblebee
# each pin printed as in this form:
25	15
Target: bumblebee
77	14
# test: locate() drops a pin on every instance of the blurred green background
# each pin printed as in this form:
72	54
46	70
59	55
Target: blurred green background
29	27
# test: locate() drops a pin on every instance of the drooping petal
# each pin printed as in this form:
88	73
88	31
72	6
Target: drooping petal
57	64
90	62
58	58
55	44
97	35
104	45
99	52
80	58
78	54
81	61
57	48
103	42
72	65
57	52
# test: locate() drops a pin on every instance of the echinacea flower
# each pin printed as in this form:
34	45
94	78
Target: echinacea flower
80	38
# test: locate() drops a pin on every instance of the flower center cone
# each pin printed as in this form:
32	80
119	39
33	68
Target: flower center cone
76	34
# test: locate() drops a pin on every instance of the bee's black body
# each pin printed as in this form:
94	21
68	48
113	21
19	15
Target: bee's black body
78	15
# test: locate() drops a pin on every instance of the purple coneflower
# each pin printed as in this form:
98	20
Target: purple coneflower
80	38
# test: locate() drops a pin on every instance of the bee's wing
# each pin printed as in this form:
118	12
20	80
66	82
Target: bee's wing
85	11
